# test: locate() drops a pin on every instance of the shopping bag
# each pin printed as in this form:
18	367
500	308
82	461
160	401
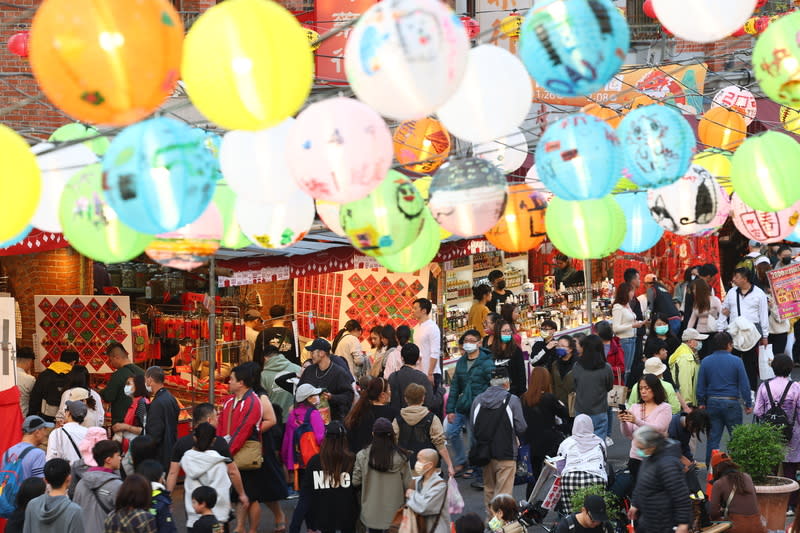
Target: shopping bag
616	395
455	502
765	358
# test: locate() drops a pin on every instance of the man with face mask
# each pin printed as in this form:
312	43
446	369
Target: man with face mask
499	292
114	393
684	364
784	256
162	417
429	495
544	351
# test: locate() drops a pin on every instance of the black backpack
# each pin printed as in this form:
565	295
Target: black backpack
776	416
414	438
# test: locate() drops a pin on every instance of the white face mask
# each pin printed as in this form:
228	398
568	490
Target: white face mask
128	390
149	388
470	347
420	468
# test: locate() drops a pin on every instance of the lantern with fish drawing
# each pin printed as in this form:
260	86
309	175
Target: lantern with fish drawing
689	205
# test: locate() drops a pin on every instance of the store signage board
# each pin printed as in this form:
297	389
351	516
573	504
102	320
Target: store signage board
785	285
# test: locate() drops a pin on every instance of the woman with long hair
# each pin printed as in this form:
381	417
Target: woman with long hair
372	403
733	497
403	335
506	352
392	361
131	512
706	310
651	409
347	344
510	313
624	323
383	473
566	353
488	329
133	424
327	497
77	388
540	409
593	379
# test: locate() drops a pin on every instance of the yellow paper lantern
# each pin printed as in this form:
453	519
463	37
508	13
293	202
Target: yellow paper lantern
790	118
312	37
718	164
247	64
20	183
511	25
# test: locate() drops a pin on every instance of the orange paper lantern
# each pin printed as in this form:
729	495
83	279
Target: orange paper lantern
521	228
610	116
111	62
421	145
722	128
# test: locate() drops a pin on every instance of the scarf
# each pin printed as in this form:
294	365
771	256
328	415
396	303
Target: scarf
583	434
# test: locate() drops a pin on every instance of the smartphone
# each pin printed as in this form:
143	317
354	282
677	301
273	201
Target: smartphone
622	408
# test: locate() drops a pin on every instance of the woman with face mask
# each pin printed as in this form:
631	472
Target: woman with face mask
659	331
565	353
135	417
507	353
428	498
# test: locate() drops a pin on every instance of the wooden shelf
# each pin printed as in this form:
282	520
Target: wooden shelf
461	300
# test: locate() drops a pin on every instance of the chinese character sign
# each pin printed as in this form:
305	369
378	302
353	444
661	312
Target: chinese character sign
330	55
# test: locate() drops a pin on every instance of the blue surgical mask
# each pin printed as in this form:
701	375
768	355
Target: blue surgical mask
641	453
505	338
699	345
661	330
561	352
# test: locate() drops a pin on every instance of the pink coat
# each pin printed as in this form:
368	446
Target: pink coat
293	421
658	419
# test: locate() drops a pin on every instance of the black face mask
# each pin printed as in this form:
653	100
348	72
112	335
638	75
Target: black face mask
786	260
501	285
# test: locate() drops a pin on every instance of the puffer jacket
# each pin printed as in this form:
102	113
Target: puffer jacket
661	493
469	383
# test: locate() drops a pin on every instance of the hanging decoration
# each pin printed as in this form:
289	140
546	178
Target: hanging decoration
703	21
776	60
419	253
19	43
588	229
471	26
687	206
521	227
191	246
328	212
606	114
77	131
507	153
312	37
761	226
790	118
18	173
225	200
722	128
718	163
276	224
422	145
738	99
764	171
423	185
643	232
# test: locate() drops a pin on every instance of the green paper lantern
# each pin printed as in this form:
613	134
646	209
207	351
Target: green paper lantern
776	60
90	224
232	236
764	171
586	229
387	220
77	131
419	253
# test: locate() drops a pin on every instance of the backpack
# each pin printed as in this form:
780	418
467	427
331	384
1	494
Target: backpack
481	452
749	263
412	439
305	442
10	480
776	416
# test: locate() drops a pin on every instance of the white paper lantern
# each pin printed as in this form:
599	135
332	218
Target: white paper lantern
703	21
507	153
733	96
328	212
276	224
763	226
689	205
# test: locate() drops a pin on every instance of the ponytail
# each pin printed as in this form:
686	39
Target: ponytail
337	339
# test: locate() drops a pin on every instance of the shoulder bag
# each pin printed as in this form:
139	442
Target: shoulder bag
250	456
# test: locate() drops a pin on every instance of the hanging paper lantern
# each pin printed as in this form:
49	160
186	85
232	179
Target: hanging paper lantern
16	239
589	229
738	99
405	58
790	118
578	158
795	236
247	64
776	60
225	200
718	164
191	246
276	224
511	26
57	167
762	226
77	131
764	171
422	145
312	37
689	205
606	114
20	183
158	175
643	232
647	9
471	26
493	99
91	226
573	47
657	145
423	185
532	179
703	21
419	253
112	62
467	196
723	211
328	212
722	128
507	153
18	44
387	220
521	227
338	150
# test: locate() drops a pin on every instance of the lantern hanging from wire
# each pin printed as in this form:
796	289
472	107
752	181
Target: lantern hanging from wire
722	128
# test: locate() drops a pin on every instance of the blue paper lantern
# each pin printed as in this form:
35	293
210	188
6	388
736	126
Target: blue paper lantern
795	236
657	145
573	47
159	175
643	232
578	158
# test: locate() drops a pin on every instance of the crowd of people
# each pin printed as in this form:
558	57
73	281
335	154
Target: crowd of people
370	436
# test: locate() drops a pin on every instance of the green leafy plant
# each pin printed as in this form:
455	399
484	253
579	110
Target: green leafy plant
758	449
613	507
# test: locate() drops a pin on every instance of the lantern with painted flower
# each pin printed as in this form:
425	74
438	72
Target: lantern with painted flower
422	145
521	227
278	223
739	99
776	60
722	128
762	226
764	171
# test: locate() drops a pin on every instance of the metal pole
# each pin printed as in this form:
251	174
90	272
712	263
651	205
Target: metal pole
587	277
212	327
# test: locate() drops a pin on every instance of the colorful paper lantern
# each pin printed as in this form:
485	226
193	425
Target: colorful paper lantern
722	128
225	200
77	131
606	114
423	185
573	47
387	220
247	64
588	229
467	196
20	183
703	21
642	232
532	179
276	224
328	212
647	9
762	226
738	99
790	118
338	150
422	145
312	37
723	211
689	205
191	246
91	226
405	58
493	99
159	176
471	26
18	44
507	153
718	164
578	158
764	171
776	60
57	166
112	62
419	253
521	227
657	145
511	26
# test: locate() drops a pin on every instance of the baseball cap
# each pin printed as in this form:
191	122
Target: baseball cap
382	425
649	278
754	244
319	344
596	506
78	393
305	391
33	423
500	372
691	334
335	428
77	408
760	261
718	458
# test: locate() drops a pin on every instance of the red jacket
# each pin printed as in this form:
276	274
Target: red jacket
244	417
616	358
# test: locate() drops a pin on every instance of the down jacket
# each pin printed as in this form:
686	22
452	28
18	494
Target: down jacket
661	493
469	383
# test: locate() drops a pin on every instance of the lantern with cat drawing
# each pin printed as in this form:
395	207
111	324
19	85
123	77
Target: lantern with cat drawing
689	205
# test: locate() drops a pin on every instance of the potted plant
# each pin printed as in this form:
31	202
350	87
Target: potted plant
759	449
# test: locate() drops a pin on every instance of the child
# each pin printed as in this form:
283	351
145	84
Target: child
203	500
161	504
206	467
307	398
504	513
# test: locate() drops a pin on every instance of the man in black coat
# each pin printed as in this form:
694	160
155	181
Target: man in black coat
407	375
45	396
335	381
162	416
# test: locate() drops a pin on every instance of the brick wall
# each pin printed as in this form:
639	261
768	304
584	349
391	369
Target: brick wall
274	293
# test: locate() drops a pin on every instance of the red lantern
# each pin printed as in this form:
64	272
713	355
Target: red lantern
18	44
647	9
472	26
760	4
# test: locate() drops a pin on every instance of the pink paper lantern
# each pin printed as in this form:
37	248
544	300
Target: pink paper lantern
472	26
737	97
763	226
192	245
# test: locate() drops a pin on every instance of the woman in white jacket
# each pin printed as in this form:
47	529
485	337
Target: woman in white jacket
206	467
428	498
624	323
